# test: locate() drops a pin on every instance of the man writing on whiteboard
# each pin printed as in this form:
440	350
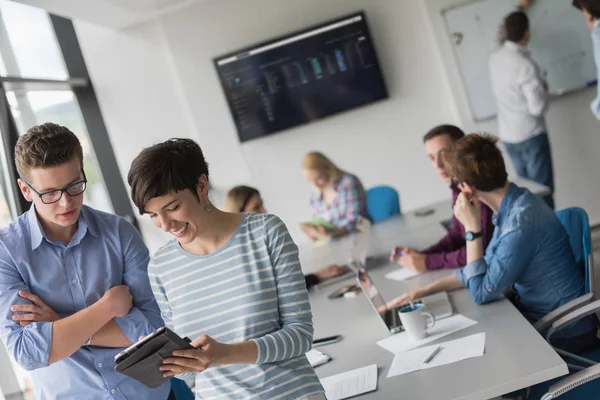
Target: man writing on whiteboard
591	13
521	94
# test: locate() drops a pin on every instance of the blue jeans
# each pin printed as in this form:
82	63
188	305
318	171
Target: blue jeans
532	159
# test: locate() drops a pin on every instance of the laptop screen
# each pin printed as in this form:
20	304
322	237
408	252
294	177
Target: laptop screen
361	241
370	290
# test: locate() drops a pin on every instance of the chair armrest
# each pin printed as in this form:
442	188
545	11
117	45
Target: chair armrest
560	312
576	315
573	381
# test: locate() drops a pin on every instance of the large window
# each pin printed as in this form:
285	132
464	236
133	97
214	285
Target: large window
36	107
38	91
43	78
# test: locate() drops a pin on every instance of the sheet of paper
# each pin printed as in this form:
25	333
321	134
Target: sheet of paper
451	352
401	274
443	327
316	357
351	383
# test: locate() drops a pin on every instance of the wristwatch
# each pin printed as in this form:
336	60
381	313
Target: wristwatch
470	236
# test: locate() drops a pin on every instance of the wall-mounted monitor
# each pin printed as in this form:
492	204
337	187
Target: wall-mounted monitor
301	77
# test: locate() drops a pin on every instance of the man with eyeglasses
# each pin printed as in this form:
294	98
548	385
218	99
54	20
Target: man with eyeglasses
74	289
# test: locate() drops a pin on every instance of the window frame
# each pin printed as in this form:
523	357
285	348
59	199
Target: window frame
80	84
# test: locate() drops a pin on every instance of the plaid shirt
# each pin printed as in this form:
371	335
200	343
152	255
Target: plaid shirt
351	201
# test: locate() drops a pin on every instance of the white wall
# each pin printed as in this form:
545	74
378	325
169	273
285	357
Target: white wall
157	81
574	132
137	89
381	143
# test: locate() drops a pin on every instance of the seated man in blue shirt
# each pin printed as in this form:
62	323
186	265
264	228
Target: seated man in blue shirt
591	13
74	289
529	250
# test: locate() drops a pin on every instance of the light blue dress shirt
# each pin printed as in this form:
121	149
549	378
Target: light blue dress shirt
596	40
530	252
106	251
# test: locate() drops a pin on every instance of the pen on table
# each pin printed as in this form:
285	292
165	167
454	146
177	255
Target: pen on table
430	357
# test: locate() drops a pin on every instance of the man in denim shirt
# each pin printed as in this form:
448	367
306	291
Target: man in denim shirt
74	287
591	13
529	251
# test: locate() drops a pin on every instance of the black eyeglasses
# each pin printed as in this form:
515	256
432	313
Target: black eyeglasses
52	196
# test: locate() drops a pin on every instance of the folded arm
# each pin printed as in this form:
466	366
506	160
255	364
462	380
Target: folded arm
40	344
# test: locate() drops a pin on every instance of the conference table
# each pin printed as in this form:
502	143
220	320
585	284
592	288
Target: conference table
516	356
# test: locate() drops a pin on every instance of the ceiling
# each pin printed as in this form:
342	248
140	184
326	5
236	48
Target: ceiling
118	14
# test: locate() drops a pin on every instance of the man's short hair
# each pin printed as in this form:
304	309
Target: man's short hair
167	167
476	160
591	6
454	132
44	146
516	25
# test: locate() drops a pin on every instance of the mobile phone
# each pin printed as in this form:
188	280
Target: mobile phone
326	340
343	290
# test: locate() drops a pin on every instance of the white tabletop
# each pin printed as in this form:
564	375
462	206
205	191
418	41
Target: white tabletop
516	356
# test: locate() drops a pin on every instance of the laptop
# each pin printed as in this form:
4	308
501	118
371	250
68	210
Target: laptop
358	257
437	304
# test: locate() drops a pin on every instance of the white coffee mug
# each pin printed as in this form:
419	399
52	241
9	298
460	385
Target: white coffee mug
413	321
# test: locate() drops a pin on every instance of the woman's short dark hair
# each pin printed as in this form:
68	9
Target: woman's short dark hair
476	160
516	25
591	6
170	166
238	197
454	132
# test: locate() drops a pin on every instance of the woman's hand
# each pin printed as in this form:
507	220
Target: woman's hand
207	352
314	232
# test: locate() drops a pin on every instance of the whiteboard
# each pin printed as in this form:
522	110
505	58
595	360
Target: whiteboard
560	43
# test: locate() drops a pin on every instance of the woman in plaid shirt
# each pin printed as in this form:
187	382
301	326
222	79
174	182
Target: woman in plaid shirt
338	197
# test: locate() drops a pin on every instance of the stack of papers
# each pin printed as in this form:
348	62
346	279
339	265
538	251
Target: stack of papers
351	383
316	358
401	274
402	342
451	352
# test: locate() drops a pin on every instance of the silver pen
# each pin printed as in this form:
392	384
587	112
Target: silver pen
430	357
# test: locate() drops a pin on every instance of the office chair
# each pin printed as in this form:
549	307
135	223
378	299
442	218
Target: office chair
383	202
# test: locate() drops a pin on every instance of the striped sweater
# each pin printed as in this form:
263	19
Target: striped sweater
250	289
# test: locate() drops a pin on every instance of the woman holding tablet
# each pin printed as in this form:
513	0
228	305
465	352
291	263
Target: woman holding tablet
232	282
338	198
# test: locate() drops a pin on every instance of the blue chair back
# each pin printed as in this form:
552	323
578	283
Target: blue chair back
383	202
576	222
181	390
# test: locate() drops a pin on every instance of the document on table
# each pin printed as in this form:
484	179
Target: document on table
401	274
402	342
350	383
450	352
